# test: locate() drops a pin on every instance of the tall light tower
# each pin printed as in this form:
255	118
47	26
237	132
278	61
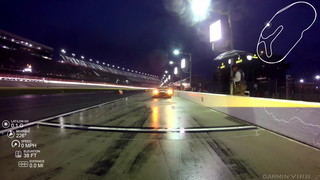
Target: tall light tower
177	52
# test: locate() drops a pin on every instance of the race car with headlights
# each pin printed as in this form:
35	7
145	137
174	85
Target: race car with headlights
162	92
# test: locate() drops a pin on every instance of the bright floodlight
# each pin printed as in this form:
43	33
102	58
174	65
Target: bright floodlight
215	31
183	63
301	80
317	77
63	51
166	72
249	57
176	52
175	71
170	62
200	9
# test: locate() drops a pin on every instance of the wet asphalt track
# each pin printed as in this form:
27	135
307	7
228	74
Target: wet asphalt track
34	107
82	153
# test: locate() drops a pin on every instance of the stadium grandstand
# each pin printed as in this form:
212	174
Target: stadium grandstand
22	57
19	44
110	74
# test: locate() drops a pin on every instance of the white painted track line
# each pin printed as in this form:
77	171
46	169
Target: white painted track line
145	129
57	116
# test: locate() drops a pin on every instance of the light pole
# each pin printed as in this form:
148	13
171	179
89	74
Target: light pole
228	14
317	77
300	87
177	52
176	72
215	35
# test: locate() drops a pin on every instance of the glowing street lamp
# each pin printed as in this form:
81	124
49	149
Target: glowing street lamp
166	72
176	52
175	71
301	80
317	77
82	57
73	54
63	51
183	63
171	62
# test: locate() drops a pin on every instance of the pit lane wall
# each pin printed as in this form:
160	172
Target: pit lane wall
298	120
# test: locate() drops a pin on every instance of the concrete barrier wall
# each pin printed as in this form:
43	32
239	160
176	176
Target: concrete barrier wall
295	119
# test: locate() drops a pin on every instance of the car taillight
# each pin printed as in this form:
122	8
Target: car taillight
156	91
169	91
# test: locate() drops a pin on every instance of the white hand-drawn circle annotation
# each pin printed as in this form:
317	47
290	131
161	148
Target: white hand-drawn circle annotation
267	41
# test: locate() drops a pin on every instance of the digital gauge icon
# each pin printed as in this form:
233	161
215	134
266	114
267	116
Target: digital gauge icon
10	134
5	124
15	143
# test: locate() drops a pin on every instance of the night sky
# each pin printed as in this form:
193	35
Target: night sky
141	34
